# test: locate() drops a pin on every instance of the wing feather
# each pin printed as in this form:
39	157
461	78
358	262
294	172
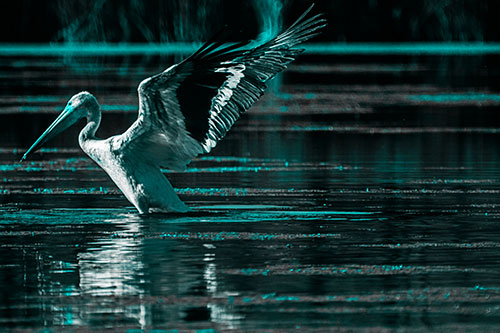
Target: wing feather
187	109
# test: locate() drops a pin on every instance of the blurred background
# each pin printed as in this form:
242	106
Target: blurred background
155	21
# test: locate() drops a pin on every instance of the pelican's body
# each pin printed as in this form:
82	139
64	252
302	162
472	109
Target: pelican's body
183	112
142	183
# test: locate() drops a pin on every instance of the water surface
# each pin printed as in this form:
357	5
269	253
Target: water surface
361	193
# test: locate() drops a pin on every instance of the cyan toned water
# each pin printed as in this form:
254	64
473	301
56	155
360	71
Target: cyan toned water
363	193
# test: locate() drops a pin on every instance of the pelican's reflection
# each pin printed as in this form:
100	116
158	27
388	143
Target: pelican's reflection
113	266
219	313
136	276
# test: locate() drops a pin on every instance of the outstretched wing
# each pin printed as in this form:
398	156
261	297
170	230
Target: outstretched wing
188	108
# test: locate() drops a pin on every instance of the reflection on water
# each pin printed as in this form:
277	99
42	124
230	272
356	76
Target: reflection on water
361	195
321	268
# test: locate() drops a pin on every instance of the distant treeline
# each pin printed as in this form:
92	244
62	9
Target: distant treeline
195	20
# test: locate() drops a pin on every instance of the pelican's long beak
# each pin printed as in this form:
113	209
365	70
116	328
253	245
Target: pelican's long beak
67	118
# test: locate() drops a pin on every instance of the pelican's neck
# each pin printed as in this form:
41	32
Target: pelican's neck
93	122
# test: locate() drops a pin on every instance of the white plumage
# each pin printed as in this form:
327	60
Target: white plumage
183	112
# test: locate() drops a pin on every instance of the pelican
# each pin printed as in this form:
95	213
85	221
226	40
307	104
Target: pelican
183	112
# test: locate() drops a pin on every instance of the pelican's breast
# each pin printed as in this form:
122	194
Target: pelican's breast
98	150
103	153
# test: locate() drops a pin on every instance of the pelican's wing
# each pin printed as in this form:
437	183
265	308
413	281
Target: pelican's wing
188	108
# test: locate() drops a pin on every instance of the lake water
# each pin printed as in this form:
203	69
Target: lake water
362	192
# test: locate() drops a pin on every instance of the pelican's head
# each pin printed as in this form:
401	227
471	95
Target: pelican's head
78	107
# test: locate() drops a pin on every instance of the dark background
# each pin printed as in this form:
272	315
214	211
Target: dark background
34	21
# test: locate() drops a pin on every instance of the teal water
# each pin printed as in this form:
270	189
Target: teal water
361	194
